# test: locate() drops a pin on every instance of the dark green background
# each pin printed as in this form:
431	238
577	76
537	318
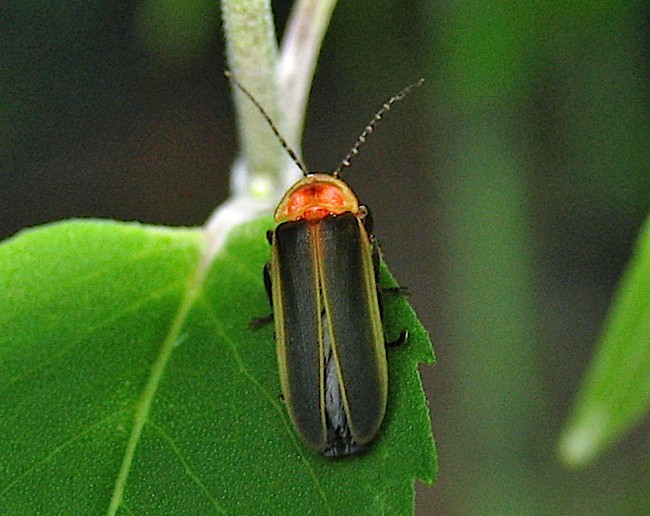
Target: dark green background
507	191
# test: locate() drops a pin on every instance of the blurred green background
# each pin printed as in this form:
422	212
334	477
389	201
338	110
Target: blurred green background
507	192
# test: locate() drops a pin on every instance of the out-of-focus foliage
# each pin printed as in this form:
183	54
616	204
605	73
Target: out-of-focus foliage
547	110
616	391
179	29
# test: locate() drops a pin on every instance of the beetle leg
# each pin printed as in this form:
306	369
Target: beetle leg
403	337
267	282
376	254
258	322
396	290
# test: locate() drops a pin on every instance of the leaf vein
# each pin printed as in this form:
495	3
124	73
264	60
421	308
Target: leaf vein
271	399
58	449
187	466
151	387
74	343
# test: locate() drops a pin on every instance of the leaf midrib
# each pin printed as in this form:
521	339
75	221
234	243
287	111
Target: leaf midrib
148	393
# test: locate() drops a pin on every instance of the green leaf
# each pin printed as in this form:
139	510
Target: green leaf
615	394
129	383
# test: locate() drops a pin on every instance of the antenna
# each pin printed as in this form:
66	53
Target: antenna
371	126
283	142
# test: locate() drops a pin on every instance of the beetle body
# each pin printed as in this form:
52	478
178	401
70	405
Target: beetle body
322	282
326	307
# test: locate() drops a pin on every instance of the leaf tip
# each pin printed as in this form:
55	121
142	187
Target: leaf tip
582	441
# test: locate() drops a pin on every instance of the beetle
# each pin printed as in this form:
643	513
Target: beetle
323	285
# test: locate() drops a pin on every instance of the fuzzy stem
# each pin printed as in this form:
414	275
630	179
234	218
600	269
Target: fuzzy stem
264	170
252	56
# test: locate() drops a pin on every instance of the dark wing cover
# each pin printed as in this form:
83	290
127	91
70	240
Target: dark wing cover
298	328
352	310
